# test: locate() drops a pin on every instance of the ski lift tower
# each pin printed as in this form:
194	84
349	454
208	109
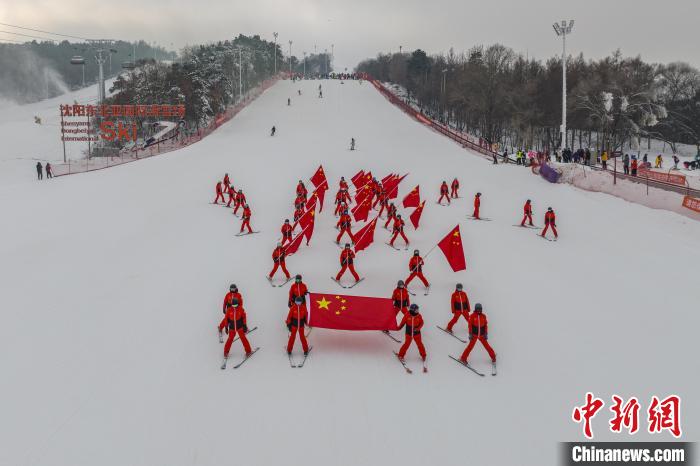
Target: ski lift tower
563	29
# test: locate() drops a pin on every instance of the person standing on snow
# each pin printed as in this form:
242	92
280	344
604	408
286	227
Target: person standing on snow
301	191
444	192
230	296
415	267
398	230
390	215
49	174
236	324
413	323
231	195
286	232
455	187
550	220
460	307
478	331
246	219
239	202
227	182
296	320
219	193
400	298
39	171
527	211
347	258
298	290
345	225
272	131
352	143
278	257
626	164
477	204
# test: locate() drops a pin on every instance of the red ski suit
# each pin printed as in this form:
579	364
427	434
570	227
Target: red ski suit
246	219
401	300
236	325
239	202
296	320
286	233
301	191
230	296
346	261
477	204
231	195
343	184
297	290
460	307
227	181
478	330
398	230
550	220
390	215
415	266
278	256
345	225
527	214
455	188
444	192
219	193
413	325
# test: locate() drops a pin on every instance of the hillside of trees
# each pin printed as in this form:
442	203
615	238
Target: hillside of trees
506	98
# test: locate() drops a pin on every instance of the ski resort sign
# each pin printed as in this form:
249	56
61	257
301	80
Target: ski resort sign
74	128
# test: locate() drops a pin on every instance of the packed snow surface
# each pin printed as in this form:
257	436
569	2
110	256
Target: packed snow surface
113	281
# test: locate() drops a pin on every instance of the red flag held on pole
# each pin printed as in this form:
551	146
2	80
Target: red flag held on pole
358	179
387	178
365	236
451	246
412	199
307	223
319	179
392	189
415	215
341	312
361	210
293	247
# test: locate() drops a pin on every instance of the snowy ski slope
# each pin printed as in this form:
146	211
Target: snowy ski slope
112	284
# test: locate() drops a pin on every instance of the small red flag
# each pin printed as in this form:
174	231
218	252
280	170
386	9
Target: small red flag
319	179
387	178
415	215
412	199
293	247
451	246
341	312
361	209
358	178
365	236
307	222
393	186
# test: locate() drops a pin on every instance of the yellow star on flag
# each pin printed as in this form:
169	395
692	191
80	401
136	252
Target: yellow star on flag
323	304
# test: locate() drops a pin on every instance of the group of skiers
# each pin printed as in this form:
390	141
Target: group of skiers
40	171
238	199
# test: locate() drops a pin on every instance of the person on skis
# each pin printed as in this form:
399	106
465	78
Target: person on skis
460	307
413	322
398	230
415	266
478	331
298	213
340	199
272	131
230	296
227	182
296	320
352	143
289	101
246	219
49	173
231	195
298	290
286	232
301	191
400	298
455	187
219	193
391	213
347	258
343	183
527	213
477	205
236	324
550	220
278	257
444	193
383	202
39	171
239	202
345	225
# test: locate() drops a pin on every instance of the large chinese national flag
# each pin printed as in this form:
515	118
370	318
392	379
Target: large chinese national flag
341	312
451	246
415	216
392	186
358	179
365	236
361	210
319	179
412	199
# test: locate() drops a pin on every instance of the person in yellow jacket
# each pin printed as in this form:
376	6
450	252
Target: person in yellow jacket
604	160
659	161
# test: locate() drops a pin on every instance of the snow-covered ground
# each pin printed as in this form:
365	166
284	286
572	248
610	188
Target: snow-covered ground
113	281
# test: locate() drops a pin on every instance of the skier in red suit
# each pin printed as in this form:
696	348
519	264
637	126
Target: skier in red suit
227	182
383	201
301	190
286	232
550	220
398	230
400	298
341	199
478	330
477	204
444	192
347	257
219	193
345	225
278	256
296	320
460	306
298	290
236	325
413	323
246	219
300	201
298	213
231	295
527	213
343	183
231	195
415	266
455	187
390	215
239	202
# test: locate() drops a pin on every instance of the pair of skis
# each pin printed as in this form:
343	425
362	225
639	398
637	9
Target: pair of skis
347	287
392	246
247	356
532	227
426	293
405	366
493	367
303	361
485	219
246	233
280	285
548	239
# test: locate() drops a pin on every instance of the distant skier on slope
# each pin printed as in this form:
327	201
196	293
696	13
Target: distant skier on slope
413	322
236	324
286	232
455	187
550	220
289	101
478	331
460	306
219	193
227	182
239	202
352	143
400	298
272	131
527	213
278	257
347	258
444	192
415	267
345	225
246	219
49	173
39	171
477	205
343	184
296	320
398	230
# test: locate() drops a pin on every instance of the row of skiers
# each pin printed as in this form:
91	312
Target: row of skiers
40	171
238	199
235	324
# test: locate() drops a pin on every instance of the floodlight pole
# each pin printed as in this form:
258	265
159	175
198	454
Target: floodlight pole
563	30
275	34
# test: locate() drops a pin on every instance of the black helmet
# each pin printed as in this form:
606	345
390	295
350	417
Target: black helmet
459	286
413	310
416	252
398	215
528	200
400	284
234	302
549	209
478	194
477	307
233	287
298	278
286	220
347	245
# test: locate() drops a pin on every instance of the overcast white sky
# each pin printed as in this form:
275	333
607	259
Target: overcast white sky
661	31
